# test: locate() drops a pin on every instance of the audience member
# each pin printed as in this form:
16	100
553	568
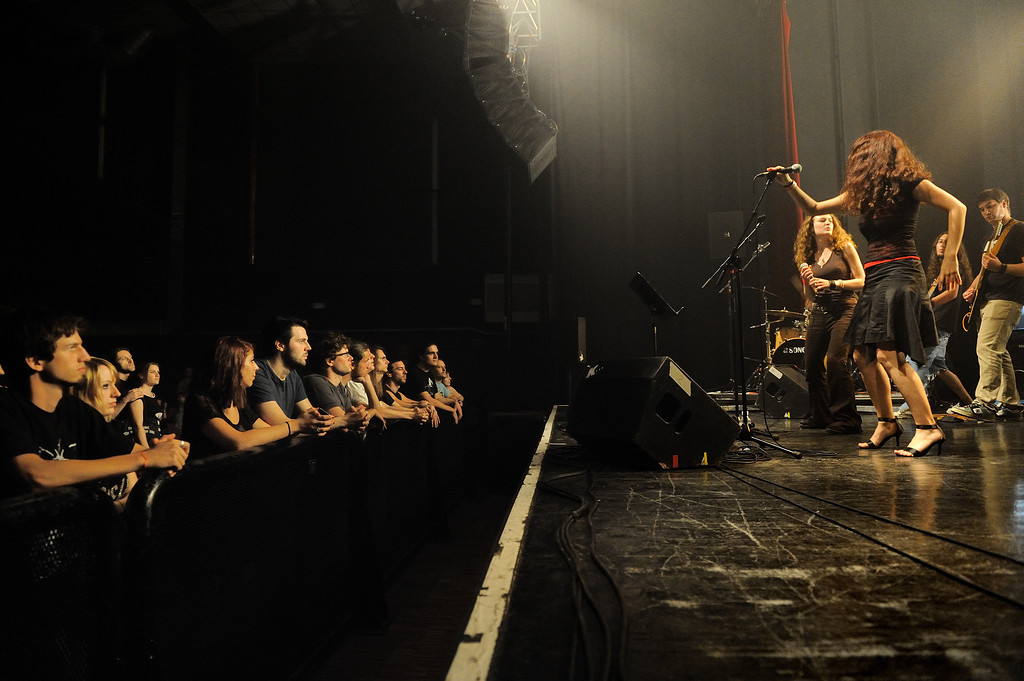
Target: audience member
147	411
277	395
363	391
99	390
363	362
217	415
420	386
439	372
394	381
127	381
328	389
47	438
380	367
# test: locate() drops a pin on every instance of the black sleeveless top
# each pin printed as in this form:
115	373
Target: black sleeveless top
834	268
891	235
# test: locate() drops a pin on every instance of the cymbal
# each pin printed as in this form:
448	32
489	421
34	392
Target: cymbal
783	314
762	290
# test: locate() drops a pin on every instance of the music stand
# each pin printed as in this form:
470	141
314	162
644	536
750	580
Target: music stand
656	305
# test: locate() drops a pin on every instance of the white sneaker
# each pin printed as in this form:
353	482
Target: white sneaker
974	410
904	414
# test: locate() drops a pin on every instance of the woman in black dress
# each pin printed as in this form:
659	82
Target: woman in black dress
886	185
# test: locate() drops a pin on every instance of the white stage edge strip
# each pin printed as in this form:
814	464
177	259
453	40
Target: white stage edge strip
472	659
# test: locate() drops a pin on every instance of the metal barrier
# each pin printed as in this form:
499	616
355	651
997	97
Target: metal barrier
241	565
60	574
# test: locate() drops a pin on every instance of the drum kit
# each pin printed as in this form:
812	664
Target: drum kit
784	334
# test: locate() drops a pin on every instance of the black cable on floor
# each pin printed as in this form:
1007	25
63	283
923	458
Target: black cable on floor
584	512
920	561
623	617
564	542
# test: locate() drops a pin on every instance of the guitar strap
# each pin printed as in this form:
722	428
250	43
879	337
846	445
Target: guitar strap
999	237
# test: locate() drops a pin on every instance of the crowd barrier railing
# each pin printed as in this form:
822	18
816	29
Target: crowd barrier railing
241	565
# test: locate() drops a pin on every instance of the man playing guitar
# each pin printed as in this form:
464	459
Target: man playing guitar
998	304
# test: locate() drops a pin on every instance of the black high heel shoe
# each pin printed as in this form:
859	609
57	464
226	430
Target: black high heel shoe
898	433
924	452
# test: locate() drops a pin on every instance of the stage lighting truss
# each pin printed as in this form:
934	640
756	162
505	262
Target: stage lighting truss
524	32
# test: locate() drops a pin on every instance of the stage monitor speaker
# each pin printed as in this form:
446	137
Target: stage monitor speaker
647	412
784	392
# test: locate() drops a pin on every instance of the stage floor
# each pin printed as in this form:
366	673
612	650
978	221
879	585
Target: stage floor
843	564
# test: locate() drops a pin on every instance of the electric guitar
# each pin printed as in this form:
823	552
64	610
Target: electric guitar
993	248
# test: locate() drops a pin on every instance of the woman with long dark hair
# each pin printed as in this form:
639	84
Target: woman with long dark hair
217	417
832	274
147	412
886	185
946	304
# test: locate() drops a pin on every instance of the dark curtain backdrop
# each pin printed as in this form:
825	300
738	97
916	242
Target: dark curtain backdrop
666	110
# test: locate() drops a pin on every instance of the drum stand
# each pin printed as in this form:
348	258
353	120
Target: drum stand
730	268
757	377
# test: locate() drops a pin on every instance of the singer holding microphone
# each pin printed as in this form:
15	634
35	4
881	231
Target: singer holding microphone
885	185
830	282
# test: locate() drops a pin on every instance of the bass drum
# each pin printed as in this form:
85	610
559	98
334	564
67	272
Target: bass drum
790	352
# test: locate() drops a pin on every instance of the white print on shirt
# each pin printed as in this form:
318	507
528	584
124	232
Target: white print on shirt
58	453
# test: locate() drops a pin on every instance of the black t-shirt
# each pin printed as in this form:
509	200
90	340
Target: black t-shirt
74	430
996	286
152	415
418	381
392	397
198	410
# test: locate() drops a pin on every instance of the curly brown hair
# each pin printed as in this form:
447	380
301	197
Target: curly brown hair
879	163
935	262
804	248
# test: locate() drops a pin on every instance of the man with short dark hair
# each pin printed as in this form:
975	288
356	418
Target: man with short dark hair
328	388
48	438
420	385
127	383
996	295
277	394
393	382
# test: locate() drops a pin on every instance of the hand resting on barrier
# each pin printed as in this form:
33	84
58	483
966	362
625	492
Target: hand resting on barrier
315	422
166	452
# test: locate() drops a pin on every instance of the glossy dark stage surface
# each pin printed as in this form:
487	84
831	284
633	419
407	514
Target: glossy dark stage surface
845	564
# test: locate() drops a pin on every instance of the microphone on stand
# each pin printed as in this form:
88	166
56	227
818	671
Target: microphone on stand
757	251
794	169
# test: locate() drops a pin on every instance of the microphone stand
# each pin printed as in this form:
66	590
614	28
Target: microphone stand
730	267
